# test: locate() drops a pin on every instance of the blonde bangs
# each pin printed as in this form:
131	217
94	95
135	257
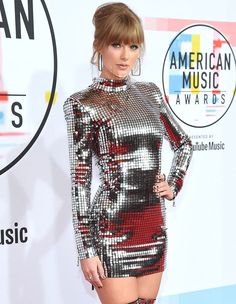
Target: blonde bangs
124	30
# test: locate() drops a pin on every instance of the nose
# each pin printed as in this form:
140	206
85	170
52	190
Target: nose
124	52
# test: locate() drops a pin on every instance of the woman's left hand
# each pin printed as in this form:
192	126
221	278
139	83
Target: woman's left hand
162	188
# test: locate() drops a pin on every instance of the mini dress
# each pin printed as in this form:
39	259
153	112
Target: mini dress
122	124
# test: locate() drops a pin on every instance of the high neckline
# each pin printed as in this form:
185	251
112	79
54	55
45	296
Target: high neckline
111	85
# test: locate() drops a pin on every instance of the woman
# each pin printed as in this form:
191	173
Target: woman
121	236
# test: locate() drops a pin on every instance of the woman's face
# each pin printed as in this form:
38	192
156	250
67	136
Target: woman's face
119	59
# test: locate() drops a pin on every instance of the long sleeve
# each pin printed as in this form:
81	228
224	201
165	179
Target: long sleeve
180	143
80	141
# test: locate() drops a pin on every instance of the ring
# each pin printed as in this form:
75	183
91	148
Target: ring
90	278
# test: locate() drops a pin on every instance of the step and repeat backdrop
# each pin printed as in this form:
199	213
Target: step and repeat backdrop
45	51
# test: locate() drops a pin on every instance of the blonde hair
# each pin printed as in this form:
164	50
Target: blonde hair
115	22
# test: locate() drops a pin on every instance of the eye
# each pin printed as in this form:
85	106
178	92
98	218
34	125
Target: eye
134	46
116	45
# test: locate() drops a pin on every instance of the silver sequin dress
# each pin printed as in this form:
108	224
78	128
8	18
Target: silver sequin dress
122	124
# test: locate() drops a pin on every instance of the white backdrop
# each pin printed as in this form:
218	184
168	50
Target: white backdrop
35	192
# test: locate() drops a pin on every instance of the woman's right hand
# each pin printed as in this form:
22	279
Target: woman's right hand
93	270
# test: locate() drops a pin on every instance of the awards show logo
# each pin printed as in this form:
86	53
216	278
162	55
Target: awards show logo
28	73
199	73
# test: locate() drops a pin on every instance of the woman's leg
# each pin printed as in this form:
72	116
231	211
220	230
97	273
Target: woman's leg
118	290
128	290
148	286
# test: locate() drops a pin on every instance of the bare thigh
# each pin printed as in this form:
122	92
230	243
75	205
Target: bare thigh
118	290
148	285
